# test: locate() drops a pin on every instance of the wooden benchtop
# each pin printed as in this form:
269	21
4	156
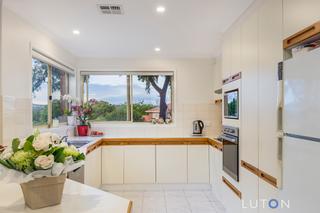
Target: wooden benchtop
155	141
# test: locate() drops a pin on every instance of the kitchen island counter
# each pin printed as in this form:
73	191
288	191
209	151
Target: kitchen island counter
77	197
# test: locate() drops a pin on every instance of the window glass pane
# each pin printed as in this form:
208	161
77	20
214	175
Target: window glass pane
59	88
39	93
111	94
152	101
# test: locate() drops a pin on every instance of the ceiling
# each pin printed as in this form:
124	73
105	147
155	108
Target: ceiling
188	28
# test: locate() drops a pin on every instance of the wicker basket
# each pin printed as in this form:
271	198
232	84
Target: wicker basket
43	192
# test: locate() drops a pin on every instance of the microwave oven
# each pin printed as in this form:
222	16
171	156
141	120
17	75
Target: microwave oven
231	104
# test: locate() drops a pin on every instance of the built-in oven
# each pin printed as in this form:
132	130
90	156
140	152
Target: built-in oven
230	153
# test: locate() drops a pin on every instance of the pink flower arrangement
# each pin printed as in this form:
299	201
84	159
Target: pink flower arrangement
84	111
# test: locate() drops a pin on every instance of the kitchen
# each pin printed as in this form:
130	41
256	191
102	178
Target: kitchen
247	84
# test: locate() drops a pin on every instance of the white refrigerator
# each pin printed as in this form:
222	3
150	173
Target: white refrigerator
301	128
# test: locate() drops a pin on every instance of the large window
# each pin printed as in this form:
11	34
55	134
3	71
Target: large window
135	97
49	84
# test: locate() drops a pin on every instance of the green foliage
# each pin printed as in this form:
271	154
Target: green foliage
57	109
139	110
232	108
23	160
6	164
39	115
28	144
59	155
15	144
80	157
39	74
104	111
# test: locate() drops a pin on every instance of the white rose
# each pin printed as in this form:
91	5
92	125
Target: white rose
44	162
42	142
6	154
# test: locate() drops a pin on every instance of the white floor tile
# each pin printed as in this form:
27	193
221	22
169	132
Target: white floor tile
169	198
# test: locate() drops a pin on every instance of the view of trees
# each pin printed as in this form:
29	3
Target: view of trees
103	110
40	93
153	81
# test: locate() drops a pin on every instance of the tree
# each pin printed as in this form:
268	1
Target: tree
153	81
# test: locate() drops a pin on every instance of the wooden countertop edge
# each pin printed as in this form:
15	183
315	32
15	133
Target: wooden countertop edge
154	141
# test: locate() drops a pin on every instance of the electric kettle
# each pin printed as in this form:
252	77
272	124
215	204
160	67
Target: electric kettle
198	126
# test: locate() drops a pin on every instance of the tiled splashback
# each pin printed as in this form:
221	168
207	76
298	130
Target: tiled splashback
209	113
17	118
17	122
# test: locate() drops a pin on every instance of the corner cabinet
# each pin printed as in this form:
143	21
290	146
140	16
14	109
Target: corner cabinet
92	169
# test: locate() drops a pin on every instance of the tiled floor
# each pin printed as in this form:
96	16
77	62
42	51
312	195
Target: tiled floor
172	201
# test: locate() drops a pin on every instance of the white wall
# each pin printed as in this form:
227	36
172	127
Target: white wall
18	37
194	89
0	68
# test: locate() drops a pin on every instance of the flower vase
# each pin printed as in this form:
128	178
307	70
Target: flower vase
70	120
43	192
83	130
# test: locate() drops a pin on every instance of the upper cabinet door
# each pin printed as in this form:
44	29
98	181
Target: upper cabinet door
236	49
299	14
226	56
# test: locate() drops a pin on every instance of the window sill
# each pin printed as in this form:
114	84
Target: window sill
46	128
130	124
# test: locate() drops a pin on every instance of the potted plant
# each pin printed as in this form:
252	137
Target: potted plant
83	114
39	163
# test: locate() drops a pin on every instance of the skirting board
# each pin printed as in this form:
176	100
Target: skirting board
154	187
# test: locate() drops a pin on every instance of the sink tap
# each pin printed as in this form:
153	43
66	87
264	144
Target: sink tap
65	138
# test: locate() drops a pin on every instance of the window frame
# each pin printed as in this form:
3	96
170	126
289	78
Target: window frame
49	93
171	73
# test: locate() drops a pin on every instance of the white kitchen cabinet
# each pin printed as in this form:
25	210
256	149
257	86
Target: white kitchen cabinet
249	186
92	169
236	49
198	164
217	173
171	161
112	164
139	164
249	86
270	54
226	56
299	14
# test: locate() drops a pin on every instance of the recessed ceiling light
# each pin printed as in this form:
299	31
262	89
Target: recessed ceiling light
161	9
157	49
76	32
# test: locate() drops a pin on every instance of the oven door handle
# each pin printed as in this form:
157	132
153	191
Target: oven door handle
228	139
